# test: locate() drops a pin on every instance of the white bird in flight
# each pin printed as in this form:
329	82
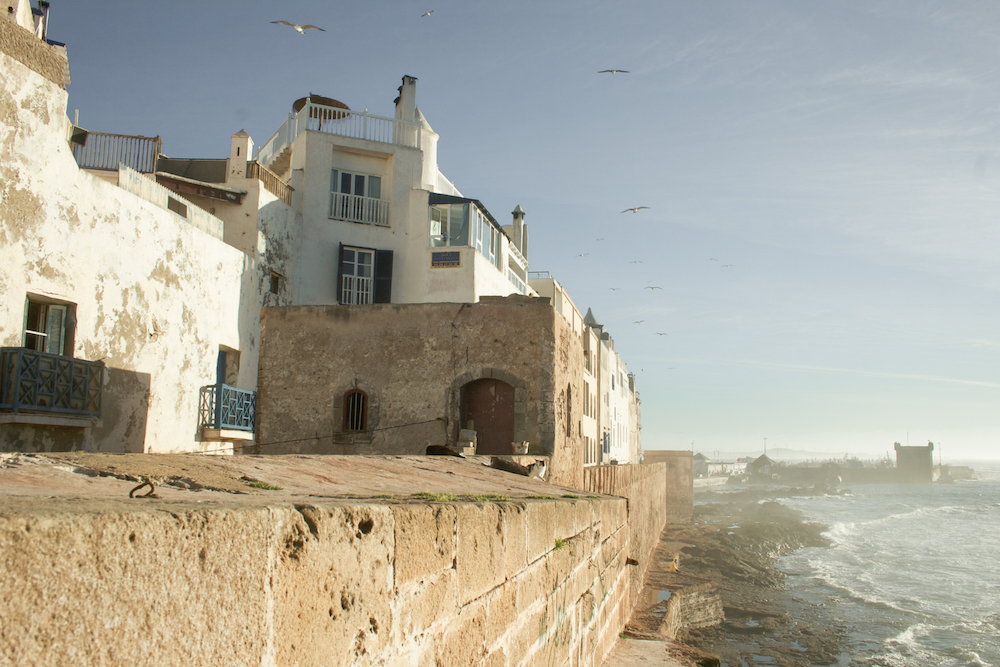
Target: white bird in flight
427	13
301	29
651	287
662	334
613	71
638	321
583	254
636	261
634	209
726	266
712	259
615	289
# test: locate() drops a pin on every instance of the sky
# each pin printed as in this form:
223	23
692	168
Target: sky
822	179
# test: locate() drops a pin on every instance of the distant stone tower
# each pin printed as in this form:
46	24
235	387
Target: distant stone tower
914	465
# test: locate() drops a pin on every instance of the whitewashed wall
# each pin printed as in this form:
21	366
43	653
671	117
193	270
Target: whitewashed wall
155	297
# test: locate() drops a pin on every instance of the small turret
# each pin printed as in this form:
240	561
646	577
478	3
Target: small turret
240	149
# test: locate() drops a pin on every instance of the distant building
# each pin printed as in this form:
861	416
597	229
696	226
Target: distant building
761	467
914	465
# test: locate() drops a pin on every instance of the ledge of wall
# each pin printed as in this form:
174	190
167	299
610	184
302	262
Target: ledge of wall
22	45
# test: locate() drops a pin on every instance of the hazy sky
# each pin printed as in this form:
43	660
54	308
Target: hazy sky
843	156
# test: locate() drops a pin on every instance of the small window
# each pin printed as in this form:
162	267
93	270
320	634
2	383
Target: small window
355	411
275	282
177	206
49	326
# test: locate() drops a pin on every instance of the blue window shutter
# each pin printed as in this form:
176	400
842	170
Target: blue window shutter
383	277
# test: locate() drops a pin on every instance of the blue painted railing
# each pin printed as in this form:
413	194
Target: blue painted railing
41	382
221	406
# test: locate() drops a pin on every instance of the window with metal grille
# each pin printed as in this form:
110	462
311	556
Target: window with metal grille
355	411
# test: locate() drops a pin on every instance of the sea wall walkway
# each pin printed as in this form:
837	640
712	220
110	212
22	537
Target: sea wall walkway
353	561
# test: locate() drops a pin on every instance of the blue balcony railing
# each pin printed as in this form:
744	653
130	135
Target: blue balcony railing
41	382
221	406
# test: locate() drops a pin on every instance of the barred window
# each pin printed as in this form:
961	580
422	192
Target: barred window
355	411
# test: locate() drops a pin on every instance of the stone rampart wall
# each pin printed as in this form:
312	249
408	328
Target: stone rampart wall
533	582
680	482
645	488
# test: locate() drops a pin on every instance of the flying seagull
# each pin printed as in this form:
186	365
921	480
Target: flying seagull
583	254
301	29
726	266
662	334
613	71
651	287
635	209
638	321
636	261
427	13
615	289
712	259
598	239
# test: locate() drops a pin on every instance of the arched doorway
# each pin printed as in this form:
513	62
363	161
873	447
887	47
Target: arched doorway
489	404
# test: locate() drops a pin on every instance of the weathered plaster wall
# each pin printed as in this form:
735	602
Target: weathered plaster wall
155	297
411	361
535	582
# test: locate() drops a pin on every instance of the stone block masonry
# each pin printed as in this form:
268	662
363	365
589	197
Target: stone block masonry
345	582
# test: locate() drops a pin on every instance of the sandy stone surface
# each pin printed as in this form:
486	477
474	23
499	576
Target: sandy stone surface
632	652
189	477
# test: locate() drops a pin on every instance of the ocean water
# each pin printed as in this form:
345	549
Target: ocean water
913	573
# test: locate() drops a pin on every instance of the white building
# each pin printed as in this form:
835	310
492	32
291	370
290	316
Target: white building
128	323
380	222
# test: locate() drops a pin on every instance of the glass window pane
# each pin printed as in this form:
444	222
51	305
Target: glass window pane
375	187
439	226
333	180
365	260
54	329
458	225
345	183
359	185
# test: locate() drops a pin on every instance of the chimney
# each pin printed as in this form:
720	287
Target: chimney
406	103
520	231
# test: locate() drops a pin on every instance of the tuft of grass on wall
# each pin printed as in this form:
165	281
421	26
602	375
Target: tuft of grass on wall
486	497
257	484
560	543
436	497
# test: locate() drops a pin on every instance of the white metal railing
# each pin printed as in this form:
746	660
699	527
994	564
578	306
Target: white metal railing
517	255
356	291
539	275
341	122
146	188
355	208
273	146
358	125
516	280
